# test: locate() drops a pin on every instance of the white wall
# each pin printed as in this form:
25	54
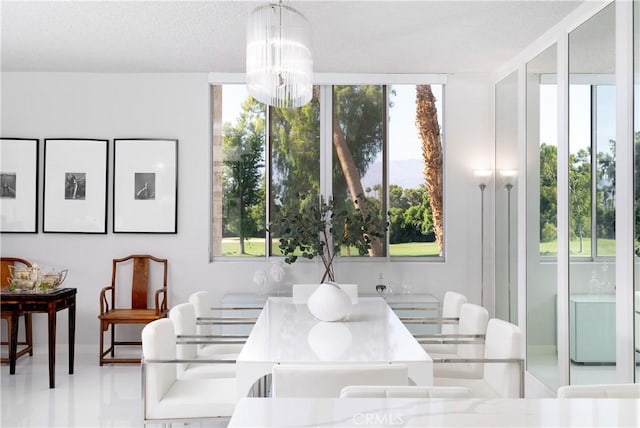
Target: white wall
108	106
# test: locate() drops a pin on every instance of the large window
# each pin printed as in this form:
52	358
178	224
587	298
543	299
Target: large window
268	161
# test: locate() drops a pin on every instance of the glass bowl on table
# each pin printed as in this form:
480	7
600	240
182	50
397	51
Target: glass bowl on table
52	280
23	278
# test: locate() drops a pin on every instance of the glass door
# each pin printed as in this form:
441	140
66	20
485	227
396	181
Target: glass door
592	193
541	216
506	212
636	184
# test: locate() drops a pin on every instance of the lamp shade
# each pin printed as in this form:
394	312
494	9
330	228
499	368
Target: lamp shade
279	61
509	176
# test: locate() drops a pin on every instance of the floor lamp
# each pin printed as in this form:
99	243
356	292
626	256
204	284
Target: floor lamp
509	176
482	176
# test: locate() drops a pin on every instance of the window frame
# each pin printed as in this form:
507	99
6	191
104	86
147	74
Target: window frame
326	81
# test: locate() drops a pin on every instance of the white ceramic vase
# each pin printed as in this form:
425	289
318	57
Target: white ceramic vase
329	303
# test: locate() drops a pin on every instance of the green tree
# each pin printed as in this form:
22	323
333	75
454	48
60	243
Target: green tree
410	216
295	156
580	195
548	192
605	193
243	172
357	140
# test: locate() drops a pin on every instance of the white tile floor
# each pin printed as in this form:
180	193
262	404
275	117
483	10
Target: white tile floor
543	364
94	396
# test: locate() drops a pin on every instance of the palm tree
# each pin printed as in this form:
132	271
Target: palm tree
427	123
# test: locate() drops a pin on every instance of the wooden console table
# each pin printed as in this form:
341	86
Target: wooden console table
50	303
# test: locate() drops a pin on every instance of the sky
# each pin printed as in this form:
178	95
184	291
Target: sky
579	116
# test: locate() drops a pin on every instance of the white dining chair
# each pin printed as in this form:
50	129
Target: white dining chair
204	323
314	381
503	364
183	317
451	305
469	342
165	397
300	293
637	320
619	390
446	321
412	391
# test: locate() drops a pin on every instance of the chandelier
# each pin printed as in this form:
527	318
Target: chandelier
279	61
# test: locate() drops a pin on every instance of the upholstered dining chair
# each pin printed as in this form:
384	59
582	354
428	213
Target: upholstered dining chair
165	397
411	391
469	342
132	274
503	375
451	305
618	390
446	323
311	380
183	317
226	345
25	346
636	316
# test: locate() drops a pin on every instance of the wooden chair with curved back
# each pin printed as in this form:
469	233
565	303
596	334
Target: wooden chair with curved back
5	277
140	311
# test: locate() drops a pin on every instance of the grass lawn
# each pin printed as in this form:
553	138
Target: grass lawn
606	247
414	249
254	247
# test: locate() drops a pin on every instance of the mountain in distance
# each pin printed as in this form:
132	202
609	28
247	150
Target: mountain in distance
406	173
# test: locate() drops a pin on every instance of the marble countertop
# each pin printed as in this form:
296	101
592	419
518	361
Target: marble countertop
411	412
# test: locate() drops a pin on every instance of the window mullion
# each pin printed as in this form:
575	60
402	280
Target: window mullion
268	200
594	173
384	198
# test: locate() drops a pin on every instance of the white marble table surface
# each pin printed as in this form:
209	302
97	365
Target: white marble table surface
288	333
410	412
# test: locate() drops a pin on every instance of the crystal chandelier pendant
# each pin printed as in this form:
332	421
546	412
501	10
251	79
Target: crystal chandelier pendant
279	61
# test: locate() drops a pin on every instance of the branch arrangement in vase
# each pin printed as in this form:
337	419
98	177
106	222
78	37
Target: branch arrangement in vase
322	230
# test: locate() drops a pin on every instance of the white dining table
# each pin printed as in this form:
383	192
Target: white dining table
434	412
287	333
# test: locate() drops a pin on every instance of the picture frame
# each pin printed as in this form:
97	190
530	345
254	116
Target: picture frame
145	185
75	185
19	161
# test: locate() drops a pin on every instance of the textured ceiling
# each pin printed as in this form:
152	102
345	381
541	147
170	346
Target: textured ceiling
348	36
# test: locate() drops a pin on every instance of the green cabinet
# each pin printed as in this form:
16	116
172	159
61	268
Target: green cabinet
592	328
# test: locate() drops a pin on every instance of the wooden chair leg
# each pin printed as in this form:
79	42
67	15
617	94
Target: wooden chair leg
28	332
113	340
101	343
12	356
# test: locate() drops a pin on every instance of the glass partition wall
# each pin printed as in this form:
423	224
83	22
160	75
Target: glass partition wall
541	217
592	192
506	212
581	337
636	183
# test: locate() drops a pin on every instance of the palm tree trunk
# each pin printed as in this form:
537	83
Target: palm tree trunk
427	122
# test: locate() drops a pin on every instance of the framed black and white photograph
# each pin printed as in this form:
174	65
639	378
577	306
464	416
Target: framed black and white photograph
145	186
19	185
75	185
